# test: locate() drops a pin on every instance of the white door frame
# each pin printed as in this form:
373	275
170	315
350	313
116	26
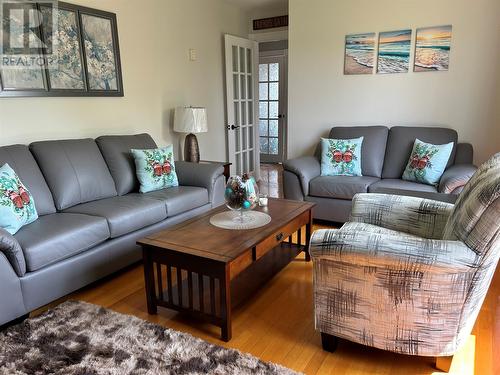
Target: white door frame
231	120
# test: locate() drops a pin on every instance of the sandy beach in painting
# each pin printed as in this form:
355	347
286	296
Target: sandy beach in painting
353	67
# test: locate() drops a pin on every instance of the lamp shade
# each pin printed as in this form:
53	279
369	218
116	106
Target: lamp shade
190	120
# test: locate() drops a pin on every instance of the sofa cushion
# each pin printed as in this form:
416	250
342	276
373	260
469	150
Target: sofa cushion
155	168
400	144
59	236
341	187
126	213
17	206
373	149
181	198
74	170
341	157
116	152
427	162
397	184
22	162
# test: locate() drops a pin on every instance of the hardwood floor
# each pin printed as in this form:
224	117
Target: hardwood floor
277	325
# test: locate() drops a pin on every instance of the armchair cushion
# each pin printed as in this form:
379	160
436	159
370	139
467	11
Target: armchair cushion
456	177
420	217
341	187
306	168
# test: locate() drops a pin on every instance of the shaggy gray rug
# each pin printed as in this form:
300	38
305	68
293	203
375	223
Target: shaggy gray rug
78	338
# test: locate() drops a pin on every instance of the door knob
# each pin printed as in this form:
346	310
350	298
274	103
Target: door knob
281	116
232	127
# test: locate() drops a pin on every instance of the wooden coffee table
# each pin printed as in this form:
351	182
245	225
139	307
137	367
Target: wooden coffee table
192	267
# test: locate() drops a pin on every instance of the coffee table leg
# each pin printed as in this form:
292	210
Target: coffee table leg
308	236
149	279
225	293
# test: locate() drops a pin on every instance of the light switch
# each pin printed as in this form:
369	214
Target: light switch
192	54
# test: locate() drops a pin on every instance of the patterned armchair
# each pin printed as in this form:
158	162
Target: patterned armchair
407	274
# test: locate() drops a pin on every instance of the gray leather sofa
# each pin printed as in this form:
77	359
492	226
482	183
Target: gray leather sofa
384	155
90	215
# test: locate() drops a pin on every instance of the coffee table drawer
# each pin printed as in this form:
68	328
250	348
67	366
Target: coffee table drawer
279	236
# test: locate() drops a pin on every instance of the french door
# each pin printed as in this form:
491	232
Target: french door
241	112
272	107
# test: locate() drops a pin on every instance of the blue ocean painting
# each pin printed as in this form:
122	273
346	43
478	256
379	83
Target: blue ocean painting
359	53
432	49
394	51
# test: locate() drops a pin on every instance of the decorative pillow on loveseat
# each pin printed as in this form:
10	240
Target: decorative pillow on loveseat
17	207
341	157
427	162
155	168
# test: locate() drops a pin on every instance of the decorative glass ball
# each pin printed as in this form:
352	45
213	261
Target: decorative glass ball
241	193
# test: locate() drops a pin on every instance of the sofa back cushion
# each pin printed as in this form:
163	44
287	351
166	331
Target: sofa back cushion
74	170
373	148
400	144
116	152
22	162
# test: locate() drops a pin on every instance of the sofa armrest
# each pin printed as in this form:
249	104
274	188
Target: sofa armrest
201	175
11	297
382	250
13	252
417	216
305	168
455	177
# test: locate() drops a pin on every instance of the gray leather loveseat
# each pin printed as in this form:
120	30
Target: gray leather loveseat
90	215
384	155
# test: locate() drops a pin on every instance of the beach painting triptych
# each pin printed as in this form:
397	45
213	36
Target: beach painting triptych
432	51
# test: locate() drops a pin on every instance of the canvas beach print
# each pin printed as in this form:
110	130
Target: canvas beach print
65	67
359	53
432	48
99	53
394	51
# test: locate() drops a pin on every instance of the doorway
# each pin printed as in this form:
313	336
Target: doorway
272	104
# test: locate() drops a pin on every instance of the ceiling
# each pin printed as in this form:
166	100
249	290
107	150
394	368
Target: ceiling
256	4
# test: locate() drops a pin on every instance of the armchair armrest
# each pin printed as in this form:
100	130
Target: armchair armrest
201	175
455	177
306	168
383	250
417	216
13	252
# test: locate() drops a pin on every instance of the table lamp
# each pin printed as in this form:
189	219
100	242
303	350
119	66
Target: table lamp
191	120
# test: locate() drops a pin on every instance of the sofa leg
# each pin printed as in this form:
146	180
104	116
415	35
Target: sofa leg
444	363
15	321
329	342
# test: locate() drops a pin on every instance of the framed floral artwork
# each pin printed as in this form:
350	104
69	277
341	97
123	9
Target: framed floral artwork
80	54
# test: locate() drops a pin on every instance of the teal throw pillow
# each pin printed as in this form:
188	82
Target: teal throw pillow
155	168
427	162
341	157
17	207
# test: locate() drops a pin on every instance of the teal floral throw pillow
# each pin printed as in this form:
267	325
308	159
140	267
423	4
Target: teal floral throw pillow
17	207
427	162
341	157
155	168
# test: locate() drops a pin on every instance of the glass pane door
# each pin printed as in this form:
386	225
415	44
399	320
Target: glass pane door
271	108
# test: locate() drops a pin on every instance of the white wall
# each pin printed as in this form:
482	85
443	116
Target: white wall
464	98
155	36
